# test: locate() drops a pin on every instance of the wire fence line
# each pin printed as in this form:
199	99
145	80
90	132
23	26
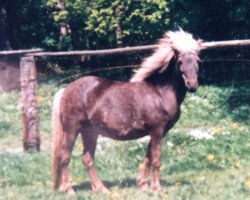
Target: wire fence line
205	45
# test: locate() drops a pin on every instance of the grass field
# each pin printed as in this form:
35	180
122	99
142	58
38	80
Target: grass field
206	155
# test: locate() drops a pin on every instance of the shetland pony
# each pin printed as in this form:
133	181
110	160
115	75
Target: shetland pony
147	105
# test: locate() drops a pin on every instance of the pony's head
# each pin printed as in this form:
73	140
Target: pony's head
187	50
180	45
187	66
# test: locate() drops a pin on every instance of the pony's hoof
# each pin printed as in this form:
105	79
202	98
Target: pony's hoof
156	188
67	189
102	189
142	184
71	192
144	187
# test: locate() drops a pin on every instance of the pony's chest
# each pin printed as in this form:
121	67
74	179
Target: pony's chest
170	106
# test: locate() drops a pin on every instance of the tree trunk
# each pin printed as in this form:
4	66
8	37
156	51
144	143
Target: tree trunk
118	30
65	29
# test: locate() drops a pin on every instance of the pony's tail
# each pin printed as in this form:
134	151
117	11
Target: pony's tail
57	136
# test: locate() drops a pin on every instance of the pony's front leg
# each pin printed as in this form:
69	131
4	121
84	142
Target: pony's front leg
142	180
90	142
156	145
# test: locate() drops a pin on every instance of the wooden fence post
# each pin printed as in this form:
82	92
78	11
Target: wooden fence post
31	134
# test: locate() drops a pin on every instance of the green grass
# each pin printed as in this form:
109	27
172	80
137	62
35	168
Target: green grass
192	168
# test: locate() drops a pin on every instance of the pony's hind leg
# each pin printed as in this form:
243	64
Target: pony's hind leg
142	180
89	142
65	153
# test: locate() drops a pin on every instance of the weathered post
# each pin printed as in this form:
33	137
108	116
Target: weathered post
31	134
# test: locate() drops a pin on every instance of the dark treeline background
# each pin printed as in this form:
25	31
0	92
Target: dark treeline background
99	24
56	25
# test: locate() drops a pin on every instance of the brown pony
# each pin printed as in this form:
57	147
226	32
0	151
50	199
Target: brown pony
147	105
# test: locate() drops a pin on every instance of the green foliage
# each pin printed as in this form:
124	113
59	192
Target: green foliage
19	169
10	115
138	19
93	24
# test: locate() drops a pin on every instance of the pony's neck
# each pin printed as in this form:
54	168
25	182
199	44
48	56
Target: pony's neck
170	81
179	87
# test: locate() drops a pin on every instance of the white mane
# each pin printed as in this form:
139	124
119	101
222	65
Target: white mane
183	41
179	41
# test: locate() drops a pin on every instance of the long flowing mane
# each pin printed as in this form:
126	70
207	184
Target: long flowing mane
178	41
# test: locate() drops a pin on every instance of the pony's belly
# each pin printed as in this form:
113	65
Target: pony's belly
123	134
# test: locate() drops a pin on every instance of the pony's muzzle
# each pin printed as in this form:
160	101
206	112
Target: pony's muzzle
191	84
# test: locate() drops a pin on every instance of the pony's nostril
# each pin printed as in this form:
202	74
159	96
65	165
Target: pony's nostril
192	84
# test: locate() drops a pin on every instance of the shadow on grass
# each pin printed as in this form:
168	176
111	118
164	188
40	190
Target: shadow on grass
127	183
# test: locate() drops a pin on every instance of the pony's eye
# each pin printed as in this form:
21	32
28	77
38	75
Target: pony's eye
180	62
